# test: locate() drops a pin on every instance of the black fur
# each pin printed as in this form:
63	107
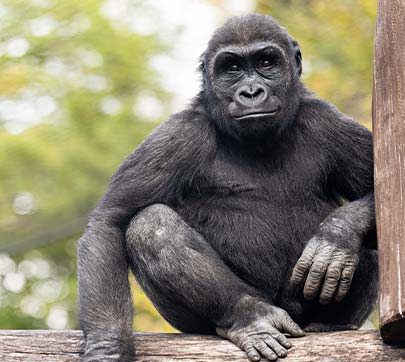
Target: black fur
213	211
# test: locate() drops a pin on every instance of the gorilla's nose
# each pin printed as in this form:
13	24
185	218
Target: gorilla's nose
251	96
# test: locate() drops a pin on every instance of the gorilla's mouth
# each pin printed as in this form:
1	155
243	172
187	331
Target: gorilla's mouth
258	114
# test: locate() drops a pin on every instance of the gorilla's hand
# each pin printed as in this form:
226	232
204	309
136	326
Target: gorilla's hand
327	262
109	347
259	331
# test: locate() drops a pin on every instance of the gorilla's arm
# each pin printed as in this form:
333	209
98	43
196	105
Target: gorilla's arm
153	173
330	259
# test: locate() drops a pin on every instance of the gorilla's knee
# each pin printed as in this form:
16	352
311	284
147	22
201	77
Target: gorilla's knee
154	223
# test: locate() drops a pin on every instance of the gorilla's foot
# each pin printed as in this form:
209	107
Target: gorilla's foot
324	327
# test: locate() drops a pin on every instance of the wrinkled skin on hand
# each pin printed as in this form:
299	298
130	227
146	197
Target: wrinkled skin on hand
327	268
261	332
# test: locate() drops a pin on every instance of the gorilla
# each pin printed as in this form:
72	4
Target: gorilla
250	214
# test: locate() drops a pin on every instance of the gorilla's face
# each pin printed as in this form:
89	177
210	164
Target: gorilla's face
253	85
249	79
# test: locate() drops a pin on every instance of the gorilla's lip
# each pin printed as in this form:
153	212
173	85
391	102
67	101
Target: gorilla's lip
258	114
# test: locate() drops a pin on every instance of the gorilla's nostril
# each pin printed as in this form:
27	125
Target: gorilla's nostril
258	92
245	94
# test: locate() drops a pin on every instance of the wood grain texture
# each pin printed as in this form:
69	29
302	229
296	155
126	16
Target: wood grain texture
66	346
389	155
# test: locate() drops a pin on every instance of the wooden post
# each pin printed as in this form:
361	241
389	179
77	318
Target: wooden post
389	155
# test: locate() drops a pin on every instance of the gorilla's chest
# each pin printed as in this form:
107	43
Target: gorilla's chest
254	212
281	181
264	197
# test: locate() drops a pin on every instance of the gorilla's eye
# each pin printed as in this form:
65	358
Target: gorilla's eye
232	68
266	63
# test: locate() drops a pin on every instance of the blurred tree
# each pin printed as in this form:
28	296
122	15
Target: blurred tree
336	39
72	80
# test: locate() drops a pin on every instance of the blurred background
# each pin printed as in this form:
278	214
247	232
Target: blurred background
82	82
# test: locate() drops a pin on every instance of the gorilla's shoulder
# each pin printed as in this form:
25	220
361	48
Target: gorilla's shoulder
189	123
313	108
185	134
321	116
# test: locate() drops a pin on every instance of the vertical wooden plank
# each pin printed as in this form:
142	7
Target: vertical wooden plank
389	154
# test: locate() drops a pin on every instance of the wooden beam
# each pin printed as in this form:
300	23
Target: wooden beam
389	155
66	346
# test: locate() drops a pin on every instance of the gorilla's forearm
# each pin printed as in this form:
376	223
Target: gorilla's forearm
330	258
352	225
105	305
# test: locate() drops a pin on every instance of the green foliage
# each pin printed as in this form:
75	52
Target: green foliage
61	164
336	38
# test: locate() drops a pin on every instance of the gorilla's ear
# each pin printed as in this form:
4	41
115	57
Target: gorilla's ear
201	66
297	56
202	69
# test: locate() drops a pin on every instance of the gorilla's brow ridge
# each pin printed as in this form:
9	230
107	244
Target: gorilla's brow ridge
239	49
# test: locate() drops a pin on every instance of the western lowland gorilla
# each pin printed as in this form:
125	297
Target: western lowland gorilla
250	214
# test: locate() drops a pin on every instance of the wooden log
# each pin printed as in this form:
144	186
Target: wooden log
389	155
67	346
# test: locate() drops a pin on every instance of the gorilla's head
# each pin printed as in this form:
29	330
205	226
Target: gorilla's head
251	74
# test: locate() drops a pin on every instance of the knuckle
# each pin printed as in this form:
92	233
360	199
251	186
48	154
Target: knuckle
309	291
347	274
329	285
275	335
302	264
331	281
296	276
342	291
245	342
333	272
310	288
345	282
344	285
317	271
328	290
312	284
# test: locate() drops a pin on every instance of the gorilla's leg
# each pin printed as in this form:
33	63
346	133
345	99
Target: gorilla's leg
353	310
196	292
178	270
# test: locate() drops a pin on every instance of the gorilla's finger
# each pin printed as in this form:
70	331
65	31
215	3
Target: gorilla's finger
315	277
292	328
344	284
276	345
268	351
331	282
251	352
282	339
303	264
